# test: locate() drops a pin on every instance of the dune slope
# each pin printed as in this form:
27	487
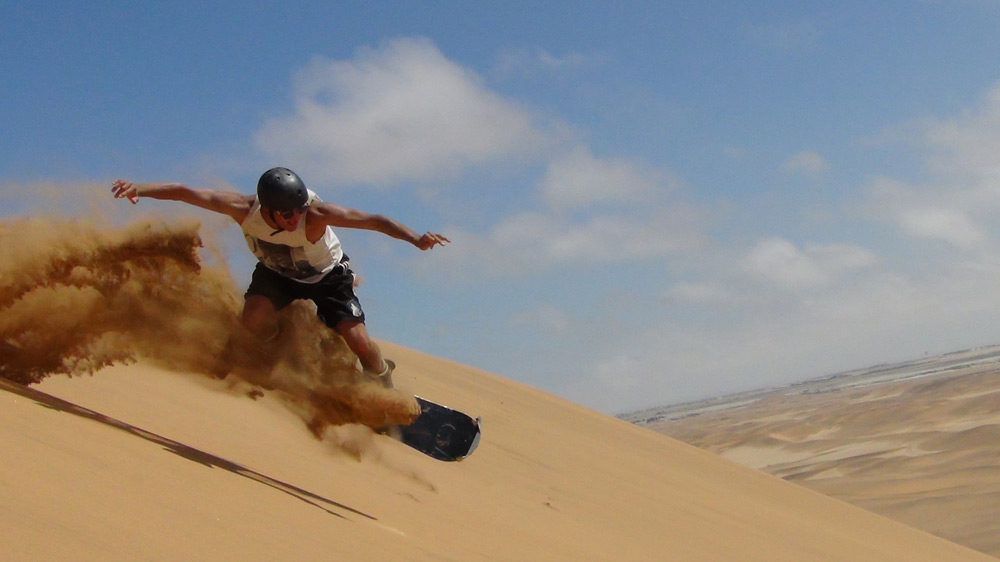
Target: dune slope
915	442
137	462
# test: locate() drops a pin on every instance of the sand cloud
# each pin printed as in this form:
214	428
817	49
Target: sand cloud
76	296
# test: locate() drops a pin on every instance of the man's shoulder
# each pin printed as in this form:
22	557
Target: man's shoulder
325	210
238	205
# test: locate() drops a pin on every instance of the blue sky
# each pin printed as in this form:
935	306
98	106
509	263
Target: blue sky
649	202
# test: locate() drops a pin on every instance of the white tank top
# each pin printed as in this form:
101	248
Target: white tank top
289	253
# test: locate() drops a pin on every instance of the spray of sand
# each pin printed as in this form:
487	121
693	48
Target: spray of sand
76	296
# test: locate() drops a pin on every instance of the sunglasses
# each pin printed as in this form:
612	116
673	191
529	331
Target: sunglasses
287	215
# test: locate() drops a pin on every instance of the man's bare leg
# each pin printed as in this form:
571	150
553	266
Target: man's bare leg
260	319
374	365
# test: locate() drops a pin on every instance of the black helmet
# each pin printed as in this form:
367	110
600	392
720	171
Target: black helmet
280	189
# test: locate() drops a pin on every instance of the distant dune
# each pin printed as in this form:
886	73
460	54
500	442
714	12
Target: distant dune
918	442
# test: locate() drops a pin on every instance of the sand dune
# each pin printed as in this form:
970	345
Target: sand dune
151	459
922	450
138	463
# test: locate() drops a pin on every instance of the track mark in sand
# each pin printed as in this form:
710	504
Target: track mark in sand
190	453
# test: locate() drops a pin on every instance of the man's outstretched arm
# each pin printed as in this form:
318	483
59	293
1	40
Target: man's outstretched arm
335	215
235	205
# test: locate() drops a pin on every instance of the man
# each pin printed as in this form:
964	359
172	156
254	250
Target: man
299	256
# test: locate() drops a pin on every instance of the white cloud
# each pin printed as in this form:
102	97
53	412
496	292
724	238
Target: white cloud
544	317
530	61
782	262
932	212
958	201
579	179
619	373
951	225
806	162
397	113
711	292
542	241
966	147
920	213
555	239
597	210
874	317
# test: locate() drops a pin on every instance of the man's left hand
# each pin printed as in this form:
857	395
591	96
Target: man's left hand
431	239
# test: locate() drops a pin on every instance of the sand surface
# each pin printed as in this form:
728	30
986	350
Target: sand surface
141	463
924	450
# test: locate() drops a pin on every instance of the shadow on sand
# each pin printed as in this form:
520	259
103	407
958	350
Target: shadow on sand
182	450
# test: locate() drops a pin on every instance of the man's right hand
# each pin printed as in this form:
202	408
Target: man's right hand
126	189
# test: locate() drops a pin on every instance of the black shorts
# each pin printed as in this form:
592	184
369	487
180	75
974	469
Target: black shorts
333	294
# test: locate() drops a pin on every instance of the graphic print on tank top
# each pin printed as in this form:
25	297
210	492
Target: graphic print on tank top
289	252
286	260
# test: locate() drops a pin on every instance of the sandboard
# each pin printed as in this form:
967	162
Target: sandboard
440	432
